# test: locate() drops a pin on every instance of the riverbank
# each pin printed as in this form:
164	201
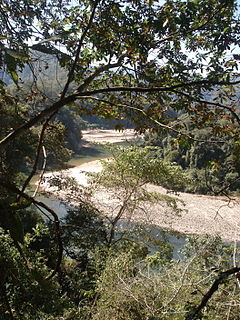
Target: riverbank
200	215
109	136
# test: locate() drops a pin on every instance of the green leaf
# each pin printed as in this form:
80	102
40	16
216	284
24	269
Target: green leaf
15	227
12	67
14	76
21	205
18	55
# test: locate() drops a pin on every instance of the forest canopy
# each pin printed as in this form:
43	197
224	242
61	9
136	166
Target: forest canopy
167	67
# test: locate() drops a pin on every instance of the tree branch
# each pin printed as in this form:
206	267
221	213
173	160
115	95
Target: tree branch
7	185
192	315
39	148
64	101
42	171
42	115
234	114
72	70
98	71
159	89
197	28
147	116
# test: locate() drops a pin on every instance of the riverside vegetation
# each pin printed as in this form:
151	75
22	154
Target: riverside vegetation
168	69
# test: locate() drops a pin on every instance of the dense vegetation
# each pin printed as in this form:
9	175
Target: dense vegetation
212	168
155	64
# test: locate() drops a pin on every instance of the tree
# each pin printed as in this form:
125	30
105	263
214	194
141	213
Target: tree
136	59
140	49
170	290
213	166
124	180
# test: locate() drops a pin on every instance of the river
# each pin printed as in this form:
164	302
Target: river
93	152
202	214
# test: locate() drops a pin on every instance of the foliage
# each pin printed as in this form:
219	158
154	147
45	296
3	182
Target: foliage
77	230
24	291
140	51
137	60
170	290
125	178
139	166
213	167
12	115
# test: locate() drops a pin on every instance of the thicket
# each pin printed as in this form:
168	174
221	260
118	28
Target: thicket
108	270
134	59
213	167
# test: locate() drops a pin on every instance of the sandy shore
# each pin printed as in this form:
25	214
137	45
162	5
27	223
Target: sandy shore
201	214
109	136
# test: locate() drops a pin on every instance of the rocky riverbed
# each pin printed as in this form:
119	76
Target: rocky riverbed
200	214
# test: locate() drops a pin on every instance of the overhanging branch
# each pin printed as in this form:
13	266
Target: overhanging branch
97	72
147	116
42	115
71	98
214	104
159	89
79	48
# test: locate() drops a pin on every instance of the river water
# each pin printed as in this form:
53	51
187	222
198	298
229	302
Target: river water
176	240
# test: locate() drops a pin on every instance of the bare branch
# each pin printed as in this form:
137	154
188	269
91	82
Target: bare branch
119	215
39	148
42	171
